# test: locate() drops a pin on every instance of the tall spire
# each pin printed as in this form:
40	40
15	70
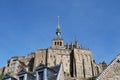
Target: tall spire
58	33
58	22
58	42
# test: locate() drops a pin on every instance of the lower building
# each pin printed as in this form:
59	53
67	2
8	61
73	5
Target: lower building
8	77
23	75
42	72
112	72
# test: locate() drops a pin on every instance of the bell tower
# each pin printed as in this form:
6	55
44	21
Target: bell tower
58	42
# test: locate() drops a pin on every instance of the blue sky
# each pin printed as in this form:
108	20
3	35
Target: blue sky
26	25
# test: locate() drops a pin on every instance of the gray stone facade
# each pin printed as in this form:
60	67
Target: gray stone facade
77	61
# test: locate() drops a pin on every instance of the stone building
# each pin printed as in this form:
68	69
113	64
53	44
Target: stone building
13	63
41	72
16	63
49	73
23	75
112	72
77	61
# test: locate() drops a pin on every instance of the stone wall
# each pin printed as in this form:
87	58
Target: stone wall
82	61
112	72
58	56
40	57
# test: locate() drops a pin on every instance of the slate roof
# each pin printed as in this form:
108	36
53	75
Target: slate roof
55	70
24	72
40	66
52	72
8	76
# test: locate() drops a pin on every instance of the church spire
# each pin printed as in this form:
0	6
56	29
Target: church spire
58	22
58	33
58	42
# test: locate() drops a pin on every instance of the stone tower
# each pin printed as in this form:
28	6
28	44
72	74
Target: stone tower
58	42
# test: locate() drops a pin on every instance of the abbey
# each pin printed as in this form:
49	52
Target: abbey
77	62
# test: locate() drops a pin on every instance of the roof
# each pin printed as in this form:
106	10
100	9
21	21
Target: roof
55	70
8	76
58	38
40	66
24	72
52	72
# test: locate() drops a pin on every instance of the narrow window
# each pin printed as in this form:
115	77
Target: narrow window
40	75
21	78
60	43
55	43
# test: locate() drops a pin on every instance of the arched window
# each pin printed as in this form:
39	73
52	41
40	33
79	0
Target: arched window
55	43
60	43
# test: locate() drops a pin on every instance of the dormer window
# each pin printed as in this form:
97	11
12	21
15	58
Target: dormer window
40	75
23	75
21	78
8	77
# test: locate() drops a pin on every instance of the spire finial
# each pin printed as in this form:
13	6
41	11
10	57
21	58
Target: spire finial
58	33
58	20
58	26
